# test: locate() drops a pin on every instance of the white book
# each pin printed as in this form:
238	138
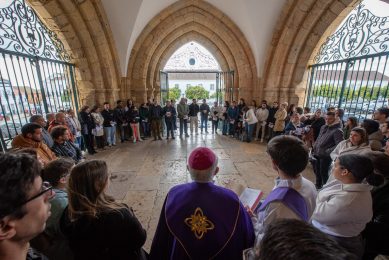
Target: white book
251	197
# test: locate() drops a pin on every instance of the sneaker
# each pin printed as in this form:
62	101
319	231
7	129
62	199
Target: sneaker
256	139
134	141
261	140
140	140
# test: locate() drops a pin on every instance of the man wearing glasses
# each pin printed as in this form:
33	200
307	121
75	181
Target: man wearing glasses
24	205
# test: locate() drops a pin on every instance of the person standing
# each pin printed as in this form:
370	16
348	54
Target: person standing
183	112
215	117
262	114
232	114
271	120
109	125
169	112
156	119
87	125
134	123
121	119
280	117
144	115
204	112
330	136
194	109
249	120
98	131
73	120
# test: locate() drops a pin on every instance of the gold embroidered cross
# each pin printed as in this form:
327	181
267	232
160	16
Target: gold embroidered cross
199	223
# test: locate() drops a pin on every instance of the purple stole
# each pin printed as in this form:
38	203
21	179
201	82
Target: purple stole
202	217
290	198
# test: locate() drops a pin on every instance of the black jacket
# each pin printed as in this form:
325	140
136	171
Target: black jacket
87	123
108	116
194	109
120	116
155	112
316	124
204	107
172	111
115	234
272	112
330	136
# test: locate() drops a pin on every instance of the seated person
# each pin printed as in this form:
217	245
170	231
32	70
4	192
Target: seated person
344	205
291	239
295	127
45	134
24	205
293	196
51	242
63	147
374	134
60	120
376	233
200	220
97	226
31	137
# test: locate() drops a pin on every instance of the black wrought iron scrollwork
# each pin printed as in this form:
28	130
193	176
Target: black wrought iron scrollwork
22	31
361	34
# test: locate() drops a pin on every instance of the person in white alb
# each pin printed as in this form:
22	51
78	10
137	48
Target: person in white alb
344	205
293	196
250	120
262	114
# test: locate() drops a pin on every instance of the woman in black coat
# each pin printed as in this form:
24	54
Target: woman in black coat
87	124
96	226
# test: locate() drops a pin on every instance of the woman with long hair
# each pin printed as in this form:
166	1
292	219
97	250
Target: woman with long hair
344	206
97	226
351	122
357	143
87	125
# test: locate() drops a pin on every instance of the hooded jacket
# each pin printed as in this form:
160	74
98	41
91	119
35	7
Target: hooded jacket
45	155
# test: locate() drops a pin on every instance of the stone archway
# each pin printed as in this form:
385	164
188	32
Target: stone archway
298	32
83	28
177	24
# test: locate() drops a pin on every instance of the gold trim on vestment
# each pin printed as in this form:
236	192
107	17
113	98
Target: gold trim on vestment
199	224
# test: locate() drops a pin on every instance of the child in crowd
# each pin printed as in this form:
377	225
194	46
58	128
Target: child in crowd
51	242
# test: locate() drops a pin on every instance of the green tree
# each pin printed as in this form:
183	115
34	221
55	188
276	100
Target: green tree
174	93
213	95
197	92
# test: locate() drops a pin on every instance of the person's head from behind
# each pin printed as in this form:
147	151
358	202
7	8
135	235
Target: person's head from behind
56	172
291	239
371	126
358	136
50	117
24	198
38	119
202	165
331	109
289	155
60	134
355	168
339	113
60	118
87	185
330	118
307	110
381	114
380	162
32	131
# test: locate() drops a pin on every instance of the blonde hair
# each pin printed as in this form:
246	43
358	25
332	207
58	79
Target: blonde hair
86	190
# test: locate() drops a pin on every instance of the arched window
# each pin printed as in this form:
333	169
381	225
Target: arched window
351	69
35	74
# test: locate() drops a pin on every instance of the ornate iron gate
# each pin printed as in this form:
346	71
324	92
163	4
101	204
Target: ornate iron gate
352	68
35	74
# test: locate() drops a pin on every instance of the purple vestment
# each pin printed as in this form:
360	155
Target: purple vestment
202	221
291	198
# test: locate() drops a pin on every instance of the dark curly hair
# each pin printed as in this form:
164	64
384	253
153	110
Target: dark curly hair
18	172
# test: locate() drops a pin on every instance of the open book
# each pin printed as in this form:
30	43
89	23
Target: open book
251	197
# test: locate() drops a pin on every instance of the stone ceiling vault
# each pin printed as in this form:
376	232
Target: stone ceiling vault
184	21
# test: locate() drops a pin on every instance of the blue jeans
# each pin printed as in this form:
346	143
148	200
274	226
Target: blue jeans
146	128
249	131
226	125
122	133
204	123
110	135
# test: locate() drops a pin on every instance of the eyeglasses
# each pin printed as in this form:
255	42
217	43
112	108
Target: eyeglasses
46	187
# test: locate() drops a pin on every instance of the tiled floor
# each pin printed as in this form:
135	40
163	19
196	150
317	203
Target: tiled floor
144	172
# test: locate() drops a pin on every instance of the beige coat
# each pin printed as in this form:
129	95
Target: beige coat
280	116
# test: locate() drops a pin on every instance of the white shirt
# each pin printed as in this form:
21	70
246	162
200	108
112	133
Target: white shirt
277	210
250	117
343	209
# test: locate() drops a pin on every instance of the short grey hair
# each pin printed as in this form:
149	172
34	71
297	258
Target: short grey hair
203	175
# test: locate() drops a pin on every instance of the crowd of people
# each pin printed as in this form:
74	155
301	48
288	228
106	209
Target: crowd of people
54	203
